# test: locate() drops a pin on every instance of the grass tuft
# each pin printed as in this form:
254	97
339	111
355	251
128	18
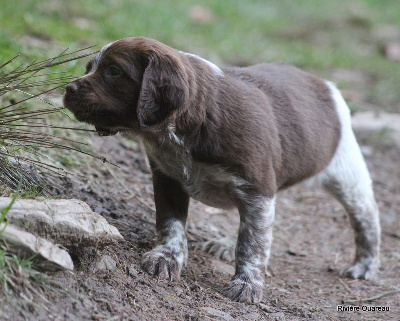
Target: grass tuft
24	130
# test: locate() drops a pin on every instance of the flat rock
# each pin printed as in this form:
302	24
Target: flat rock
378	122
370	120
216	314
222	267
392	51
67	222
47	255
105	263
278	316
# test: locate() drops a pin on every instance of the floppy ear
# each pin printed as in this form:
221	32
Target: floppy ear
164	89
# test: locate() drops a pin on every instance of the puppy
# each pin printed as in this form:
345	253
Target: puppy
230	137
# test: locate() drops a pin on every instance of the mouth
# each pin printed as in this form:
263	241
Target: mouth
87	117
101	119
102	131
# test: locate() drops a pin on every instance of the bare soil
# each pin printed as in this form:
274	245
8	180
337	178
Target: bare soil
313	241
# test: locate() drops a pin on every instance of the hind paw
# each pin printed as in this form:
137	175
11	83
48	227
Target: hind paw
361	270
223	248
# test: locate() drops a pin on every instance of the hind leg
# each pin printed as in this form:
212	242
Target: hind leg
364	217
223	248
348	179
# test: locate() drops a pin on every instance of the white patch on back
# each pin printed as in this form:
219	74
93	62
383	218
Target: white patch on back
96	60
214	67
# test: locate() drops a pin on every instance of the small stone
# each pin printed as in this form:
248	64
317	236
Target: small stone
201	15
216	314
105	263
266	308
253	316
49	256
27	170
278	315
385	125
366	150
132	271
392	51
222	267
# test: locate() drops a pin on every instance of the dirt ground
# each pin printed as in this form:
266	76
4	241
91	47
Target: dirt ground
313	241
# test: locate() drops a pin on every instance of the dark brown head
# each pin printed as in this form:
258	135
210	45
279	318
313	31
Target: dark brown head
131	84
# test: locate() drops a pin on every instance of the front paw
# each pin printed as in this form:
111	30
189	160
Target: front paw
244	290
164	263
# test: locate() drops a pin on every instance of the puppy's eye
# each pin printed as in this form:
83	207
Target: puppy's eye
114	71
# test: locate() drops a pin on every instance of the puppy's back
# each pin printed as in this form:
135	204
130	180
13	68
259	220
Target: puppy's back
306	117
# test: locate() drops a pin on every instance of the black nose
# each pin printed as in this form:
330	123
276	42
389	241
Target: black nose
72	87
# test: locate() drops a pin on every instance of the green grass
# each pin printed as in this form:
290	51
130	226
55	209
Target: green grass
33	191
8	263
318	35
3	214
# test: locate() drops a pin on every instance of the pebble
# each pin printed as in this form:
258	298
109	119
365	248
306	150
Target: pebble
132	271
105	263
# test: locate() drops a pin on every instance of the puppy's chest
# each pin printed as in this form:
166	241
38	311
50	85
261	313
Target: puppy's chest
211	184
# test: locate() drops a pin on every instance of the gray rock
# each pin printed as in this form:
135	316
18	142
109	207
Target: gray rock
278	315
266	308
222	267
216	314
384	123
67	222
372	121
49	256
392	50
105	263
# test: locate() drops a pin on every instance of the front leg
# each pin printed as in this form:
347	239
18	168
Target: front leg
168	258
252	249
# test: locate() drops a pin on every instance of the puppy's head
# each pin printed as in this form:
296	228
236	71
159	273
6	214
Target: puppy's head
132	83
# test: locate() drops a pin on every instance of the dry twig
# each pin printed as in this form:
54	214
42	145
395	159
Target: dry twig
372	298
347	287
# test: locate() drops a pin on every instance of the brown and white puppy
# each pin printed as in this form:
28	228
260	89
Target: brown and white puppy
231	137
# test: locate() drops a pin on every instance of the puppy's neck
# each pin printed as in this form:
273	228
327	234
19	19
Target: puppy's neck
164	133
